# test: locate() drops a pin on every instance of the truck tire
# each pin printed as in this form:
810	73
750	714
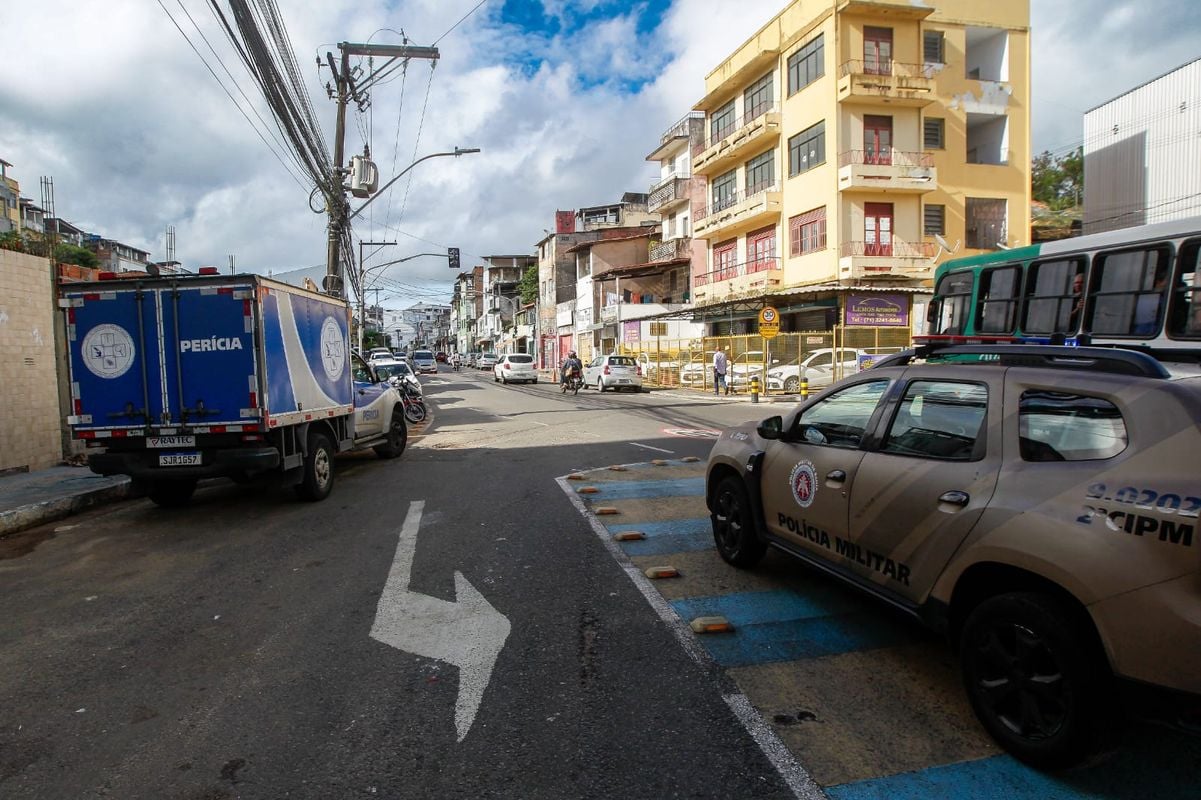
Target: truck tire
1034	681
171	493
398	436
318	469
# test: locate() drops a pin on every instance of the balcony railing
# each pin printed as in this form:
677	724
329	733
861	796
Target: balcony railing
731	271
733	199
886	66
714	136
889	157
668	190
671	249
681	128
894	248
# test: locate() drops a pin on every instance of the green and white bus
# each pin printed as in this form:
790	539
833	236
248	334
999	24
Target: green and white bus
1135	287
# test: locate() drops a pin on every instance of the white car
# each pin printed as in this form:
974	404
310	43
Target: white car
515	367
424	361
400	370
486	361
819	367
613	372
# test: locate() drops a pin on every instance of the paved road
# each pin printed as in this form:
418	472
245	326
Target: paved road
226	650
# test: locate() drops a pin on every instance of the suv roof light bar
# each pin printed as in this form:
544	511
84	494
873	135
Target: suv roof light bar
1120	362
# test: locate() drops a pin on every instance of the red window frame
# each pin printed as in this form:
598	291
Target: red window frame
761	249
877	238
724	256
807	232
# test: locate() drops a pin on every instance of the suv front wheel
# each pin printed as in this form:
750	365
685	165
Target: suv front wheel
1033	681
734	524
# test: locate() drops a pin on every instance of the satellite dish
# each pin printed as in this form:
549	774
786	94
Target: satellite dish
942	243
943	247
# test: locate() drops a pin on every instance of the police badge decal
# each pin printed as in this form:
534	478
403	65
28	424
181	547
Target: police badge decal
803	481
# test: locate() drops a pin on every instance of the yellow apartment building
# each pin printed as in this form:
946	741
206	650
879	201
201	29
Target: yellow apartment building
850	146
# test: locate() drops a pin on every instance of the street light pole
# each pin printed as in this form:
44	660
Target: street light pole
458	151
363	287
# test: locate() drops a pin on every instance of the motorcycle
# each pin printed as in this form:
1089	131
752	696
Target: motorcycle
410	395
572	380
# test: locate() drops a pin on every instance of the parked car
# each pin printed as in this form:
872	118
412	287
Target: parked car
818	366
698	371
486	360
400	370
515	367
424	361
1037	504
473	359
743	366
379	354
613	372
440	357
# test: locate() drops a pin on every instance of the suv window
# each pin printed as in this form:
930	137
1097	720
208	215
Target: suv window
1054	426
423	355
621	361
362	372
938	419
521	359
841	419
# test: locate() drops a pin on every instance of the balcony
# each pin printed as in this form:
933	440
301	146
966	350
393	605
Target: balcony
739	212
671	250
897	259
668	194
628	312
888	171
886	82
723	149
676	138
738	280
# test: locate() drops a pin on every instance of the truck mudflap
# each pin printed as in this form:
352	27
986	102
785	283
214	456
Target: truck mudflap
147	464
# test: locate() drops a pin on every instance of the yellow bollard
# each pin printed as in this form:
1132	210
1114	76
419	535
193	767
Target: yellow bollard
804	387
754	388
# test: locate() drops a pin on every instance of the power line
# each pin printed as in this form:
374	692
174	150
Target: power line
460	22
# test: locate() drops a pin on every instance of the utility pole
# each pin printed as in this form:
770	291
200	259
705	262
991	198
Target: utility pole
345	88
363	285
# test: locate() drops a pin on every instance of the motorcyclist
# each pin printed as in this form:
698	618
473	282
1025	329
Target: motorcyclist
571	364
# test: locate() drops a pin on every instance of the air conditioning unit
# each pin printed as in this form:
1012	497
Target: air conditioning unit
364	177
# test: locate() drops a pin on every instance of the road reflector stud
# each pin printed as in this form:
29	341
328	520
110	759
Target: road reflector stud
617	468
711	625
690	459
575	477
606	511
629	536
659	462
588	490
662	572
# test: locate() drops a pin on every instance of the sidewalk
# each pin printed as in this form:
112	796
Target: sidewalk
28	499
743	395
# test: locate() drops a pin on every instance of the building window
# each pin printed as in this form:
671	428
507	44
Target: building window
721	124
757	99
806	65
761	249
934	47
760	172
877	51
934	220
725	190
934	130
985	223
807	232
724	256
807	149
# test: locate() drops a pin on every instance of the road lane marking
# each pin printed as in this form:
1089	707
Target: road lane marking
656	449
468	633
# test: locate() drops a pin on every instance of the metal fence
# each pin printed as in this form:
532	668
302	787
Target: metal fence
688	363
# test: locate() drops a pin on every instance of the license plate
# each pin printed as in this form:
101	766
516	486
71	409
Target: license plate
179	459
170	441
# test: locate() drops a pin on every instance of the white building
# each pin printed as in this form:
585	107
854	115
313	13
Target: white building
1141	159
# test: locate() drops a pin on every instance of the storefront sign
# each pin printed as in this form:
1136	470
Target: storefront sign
878	310
630	332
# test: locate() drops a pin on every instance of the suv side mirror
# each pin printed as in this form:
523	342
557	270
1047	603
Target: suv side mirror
771	428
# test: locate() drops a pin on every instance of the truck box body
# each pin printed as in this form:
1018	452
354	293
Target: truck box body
203	354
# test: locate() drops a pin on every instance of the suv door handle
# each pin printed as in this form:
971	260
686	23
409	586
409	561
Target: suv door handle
955	498
836	475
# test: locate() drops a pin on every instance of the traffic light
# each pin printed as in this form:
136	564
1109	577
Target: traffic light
452	253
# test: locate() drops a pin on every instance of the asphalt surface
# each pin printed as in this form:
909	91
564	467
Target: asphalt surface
223	650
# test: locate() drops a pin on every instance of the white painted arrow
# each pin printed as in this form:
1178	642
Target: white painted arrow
468	633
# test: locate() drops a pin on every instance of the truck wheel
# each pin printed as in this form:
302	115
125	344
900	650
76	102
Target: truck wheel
398	436
318	469
734	526
1033	680
171	493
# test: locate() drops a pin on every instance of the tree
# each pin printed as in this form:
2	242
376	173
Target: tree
1058	182
529	285
67	253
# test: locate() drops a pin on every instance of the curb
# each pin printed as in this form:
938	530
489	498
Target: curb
39	513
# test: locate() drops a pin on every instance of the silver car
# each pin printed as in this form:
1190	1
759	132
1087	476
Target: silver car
613	372
515	367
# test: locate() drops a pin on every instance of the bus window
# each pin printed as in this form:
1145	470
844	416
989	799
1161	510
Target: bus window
953	300
1184	310
1128	291
999	291
1054	296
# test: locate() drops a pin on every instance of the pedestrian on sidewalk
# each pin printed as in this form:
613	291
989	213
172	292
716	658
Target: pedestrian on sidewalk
720	362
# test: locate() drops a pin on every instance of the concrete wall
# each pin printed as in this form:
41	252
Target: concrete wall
30	428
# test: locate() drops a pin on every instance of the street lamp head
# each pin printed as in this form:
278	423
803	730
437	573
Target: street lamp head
459	151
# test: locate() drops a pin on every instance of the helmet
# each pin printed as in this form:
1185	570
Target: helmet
571	354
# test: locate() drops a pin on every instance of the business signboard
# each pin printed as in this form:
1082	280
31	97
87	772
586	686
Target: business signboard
878	310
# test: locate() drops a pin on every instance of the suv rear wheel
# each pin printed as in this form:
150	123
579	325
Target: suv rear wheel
734	525
1033	680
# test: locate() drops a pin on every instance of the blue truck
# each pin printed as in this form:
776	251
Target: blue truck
187	377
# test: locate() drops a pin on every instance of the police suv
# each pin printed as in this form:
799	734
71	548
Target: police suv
1039	504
